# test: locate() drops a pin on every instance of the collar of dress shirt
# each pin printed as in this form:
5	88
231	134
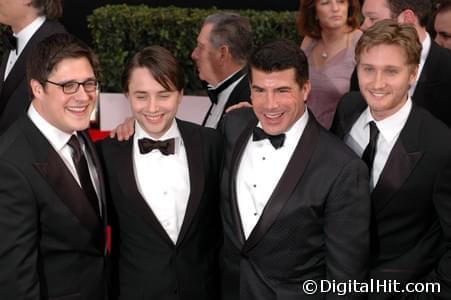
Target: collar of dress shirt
57	138
27	32
293	134
221	82
390	127
426	46
172	132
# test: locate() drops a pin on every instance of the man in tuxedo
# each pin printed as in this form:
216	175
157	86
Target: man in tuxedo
29	22
223	45
408	152
52	205
294	199
431	89
164	183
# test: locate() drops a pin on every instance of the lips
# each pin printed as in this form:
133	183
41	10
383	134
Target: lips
273	115
378	94
78	110
154	118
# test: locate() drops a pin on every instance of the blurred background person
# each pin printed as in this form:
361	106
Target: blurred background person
442	24
28	23
330	30
223	45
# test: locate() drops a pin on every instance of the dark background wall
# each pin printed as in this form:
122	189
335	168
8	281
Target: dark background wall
76	11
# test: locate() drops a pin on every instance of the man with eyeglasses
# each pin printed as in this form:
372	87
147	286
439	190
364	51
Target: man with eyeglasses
52	197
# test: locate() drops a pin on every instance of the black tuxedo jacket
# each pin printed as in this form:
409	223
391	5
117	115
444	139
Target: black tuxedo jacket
150	265
52	240
315	225
411	202
240	93
433	87
14	94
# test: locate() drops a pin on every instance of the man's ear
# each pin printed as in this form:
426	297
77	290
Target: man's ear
224	52
36	88
408	17
307	88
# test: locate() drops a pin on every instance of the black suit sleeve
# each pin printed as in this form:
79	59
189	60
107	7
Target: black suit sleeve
442	203
354	85
19	236
346	228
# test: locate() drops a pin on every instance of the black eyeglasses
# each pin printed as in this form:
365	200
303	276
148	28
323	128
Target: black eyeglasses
71	87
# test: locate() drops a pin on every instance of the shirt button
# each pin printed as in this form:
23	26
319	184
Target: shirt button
254	185
165	193
263	158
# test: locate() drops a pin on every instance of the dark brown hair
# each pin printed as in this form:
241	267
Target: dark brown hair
160	62
280	55
51	9
307	22
52	50
421	8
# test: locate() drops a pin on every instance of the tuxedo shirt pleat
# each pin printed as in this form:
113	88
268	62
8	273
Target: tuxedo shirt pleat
163	180
259	172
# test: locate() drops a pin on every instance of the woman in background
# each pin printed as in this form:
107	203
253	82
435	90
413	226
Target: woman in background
330	30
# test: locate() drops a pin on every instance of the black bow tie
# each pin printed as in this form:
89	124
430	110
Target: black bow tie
214	93
166	147
275	140
9	40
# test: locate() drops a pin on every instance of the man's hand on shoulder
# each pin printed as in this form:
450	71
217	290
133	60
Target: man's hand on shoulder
124	130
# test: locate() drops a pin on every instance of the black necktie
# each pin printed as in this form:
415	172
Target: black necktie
9	40
370	150
83	172
275	140
166	147
213	93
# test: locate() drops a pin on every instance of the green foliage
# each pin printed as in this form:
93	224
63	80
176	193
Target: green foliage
118	31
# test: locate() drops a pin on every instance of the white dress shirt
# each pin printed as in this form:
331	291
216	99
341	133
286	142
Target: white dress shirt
218	108
260	170
23	37
58	140
426	46
163	180
389	130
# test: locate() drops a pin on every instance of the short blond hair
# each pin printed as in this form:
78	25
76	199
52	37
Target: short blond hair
389	32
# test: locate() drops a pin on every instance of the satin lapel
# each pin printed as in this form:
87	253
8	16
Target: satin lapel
400	163
193	147
2	71
287	183
235	163
124	160
57	175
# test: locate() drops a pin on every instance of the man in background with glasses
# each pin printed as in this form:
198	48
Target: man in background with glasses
52	199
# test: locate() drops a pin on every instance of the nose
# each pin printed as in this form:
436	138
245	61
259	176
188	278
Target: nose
334	5
152	105
271	101
365	25
82	93
379	80
194	54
